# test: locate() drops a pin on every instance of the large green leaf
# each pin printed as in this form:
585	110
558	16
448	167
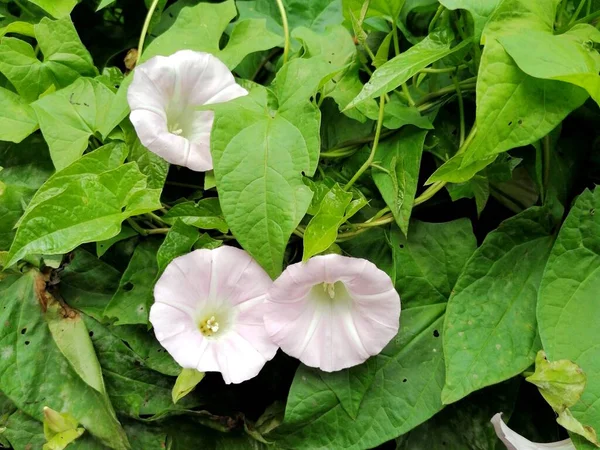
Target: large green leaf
135	389
490	330
260	187
30	353
179	240
397	390
131	303
397	172
568	57
402	67
25	168
65	59
57	8
17	118
206	214
568	303
70	116
513	110
248	36
85	202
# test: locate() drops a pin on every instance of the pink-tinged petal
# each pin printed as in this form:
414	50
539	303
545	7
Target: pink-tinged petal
164	97
208	313
514	441
336	329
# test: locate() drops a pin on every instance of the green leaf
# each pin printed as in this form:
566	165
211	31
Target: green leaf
65	59
60	440
70	116
260	187
131	303
17	118
23	431
186	382
103	246
150	164
31	354
568	57
57	8
248	36
400	159
481	10
18	27
179	240
25	168
195	28
134	389
206	214
322	230
402	67
87	283
55	422
388	8
72	339
397	115
465	424
567	305
75	206
490	328
400	388
504	92
561	383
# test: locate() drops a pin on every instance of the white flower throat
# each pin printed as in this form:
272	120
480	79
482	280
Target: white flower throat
208	327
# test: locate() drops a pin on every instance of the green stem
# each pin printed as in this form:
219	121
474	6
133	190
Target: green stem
369	160
340	152
158	231
395	38
447	90
444	70
461	110
576	13
185	185
406	92
133	224
156	218
286	30
585	19
546	156
24	8
437	15
145	30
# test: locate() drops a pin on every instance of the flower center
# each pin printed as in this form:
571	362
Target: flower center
176	129
208	327
327	293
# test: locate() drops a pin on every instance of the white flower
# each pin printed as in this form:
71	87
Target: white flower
514	441
333	311
208	313
163	97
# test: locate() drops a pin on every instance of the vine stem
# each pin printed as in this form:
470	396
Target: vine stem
145	30
369	160
286	30
461	110
577	12
546	156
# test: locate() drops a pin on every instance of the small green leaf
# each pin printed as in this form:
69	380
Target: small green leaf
103	246
566	419
402	67
18	27
248	36
387	8
55	422
490	328
205	241
185	383
481	10
322	230
61	440
206	215
561	383
397	172
150	164
85	202
179	240
397	115
70	116
17	118
383	52
72	339
131	303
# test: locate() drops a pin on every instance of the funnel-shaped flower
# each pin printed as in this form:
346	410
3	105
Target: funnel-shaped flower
333	311
514	441
208	313
163	97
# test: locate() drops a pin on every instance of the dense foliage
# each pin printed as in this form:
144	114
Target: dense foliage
453	143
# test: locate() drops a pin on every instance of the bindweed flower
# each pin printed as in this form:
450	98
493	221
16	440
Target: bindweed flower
208	313
332	312
164	96
514	441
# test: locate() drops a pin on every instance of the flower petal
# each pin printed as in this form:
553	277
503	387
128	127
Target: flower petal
337	333
228	286
164	96
514	441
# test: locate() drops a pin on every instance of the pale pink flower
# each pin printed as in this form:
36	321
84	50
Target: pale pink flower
164	96
514	441
208	313
332	312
